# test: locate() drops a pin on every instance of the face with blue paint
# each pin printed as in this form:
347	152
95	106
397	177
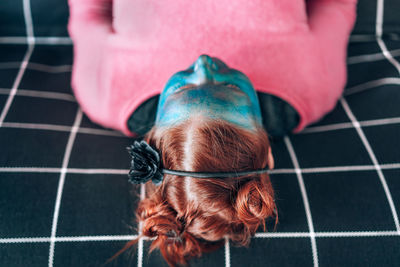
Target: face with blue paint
209	88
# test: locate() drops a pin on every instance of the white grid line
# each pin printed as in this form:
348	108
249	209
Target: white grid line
348	168
389	166
100	171
327	234
283	235
358	234
348	125
19	240
100	238
68	170
91	171
371	85
326	128
85	130
40	94
61	128
140	244
37	67
227	253
373	159
37	126
305	199
378	29
380	122
371	57
49	68
28	21
50	40
71	140
357	38
25	61
67	239
10	65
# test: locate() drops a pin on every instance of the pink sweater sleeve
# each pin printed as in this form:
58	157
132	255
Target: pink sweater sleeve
90	25
330	22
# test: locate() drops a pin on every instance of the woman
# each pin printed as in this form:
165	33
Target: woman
209	118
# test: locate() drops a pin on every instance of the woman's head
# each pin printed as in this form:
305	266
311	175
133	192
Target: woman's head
208	120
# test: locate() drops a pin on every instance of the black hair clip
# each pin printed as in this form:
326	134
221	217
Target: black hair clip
145	164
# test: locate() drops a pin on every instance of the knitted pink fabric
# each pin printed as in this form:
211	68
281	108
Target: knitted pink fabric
125	51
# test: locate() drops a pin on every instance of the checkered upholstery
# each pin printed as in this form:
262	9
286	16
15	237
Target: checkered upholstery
64	195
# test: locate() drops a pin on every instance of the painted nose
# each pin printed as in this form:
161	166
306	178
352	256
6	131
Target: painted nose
205	69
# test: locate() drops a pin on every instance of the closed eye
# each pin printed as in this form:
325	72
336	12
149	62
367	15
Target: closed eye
232	86
237	89
188	86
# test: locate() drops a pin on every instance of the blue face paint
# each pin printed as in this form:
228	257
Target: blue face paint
209	88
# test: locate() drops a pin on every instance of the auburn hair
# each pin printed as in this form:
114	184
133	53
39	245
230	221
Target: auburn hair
187	216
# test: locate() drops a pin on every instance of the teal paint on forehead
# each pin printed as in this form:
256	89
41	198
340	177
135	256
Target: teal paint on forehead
210	94
205	100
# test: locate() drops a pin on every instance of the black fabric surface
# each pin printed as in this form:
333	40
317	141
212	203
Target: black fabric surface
64	195
143	118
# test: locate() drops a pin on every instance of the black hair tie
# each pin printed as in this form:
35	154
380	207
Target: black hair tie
145	164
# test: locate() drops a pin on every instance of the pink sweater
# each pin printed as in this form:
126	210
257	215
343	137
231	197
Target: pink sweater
125	50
